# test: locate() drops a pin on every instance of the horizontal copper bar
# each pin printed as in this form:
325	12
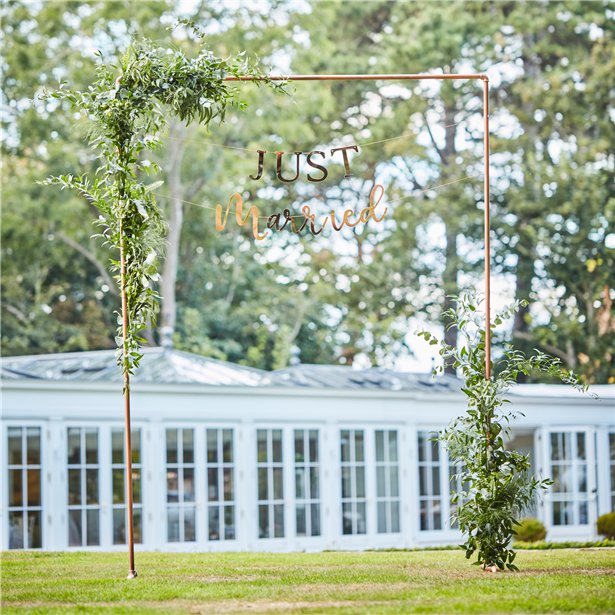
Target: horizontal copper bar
388	77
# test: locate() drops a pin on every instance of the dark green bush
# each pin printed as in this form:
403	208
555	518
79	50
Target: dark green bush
530	530
606	525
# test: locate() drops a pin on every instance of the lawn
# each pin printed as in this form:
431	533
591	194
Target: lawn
570	580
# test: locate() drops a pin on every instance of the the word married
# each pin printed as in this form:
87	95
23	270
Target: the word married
306	221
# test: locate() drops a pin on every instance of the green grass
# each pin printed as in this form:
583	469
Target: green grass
579	581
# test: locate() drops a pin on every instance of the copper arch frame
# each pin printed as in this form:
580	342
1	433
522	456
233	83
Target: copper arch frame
487	247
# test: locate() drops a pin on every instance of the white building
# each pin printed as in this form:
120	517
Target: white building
232	458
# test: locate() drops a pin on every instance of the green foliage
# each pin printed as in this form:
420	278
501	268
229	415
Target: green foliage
530	530
498	486
128	105
606	525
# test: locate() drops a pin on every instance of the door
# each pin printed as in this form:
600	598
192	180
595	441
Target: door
569	460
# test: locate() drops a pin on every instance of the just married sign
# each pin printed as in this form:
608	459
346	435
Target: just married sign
306	221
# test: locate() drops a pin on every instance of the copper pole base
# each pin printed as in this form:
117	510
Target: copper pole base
132	574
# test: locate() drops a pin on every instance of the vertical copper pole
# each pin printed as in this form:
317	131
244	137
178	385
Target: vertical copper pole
487	231
132	573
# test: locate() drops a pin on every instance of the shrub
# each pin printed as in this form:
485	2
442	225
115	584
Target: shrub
498	486
530	530
606	525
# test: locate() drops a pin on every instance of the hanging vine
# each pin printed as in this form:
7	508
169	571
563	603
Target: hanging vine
128	105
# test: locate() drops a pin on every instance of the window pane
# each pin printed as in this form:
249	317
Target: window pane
34	445
172	486
34	530
74	446
171	445
360	481
392	446
394	516
315	512
173	524
189	524
358	440
435	448
435	480
581	445
14	437
188	445
277	445
138	525
214	523
119	526
299	453
75	538
212	445
313	445
91	486
278	520
262	484
261	440
300	483
379	446
394	481
227	445
380	488
301	520
74	487
345	444
314	483
188	485
361	518
278	487
16	530
117	479
347	517
117	447
135	436
382	518
228	484
34	487
212	485
15	488
346	483
136	486
92	530
263	521
229	522
91	446
421	439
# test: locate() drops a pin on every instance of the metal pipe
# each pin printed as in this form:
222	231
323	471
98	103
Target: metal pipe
487	231
132	573
385	77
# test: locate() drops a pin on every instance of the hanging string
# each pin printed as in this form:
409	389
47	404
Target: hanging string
404	135
301	216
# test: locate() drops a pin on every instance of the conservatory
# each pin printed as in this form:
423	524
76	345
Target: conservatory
306	458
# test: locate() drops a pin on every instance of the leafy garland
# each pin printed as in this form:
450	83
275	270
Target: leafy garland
127	105
497	483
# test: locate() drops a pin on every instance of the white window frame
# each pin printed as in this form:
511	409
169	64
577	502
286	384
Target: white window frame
121	466
220	466
575	530
179	466
83	466
24	466
353	466
447	531
309	500
387	465
271	502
